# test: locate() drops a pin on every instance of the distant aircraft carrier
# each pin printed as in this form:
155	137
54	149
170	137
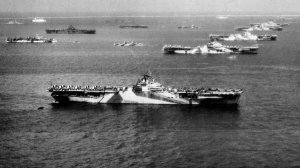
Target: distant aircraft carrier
70	30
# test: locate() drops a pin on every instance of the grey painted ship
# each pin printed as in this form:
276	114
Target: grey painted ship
146	91
71	30
211	48
36	39
267	26
246	36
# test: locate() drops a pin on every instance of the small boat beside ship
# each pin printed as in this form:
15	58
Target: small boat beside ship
145	91
38	20
243	28
246	36
35	39
177	49
71	30
211	48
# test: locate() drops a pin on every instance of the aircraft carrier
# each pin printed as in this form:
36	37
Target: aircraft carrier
211	48
70	30
146	91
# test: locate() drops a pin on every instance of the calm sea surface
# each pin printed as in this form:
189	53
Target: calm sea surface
263	132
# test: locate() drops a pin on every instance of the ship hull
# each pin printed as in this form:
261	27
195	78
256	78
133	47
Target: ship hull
267	38
176	51
70	32
31	41
212	51
131	97
259	29
258	38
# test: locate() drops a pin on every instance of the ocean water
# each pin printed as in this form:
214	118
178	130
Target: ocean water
263	132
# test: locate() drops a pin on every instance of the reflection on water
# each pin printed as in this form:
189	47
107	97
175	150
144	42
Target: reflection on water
153	133
157	116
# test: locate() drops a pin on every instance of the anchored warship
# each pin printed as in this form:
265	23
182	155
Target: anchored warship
145	91
70	30
36	39
259	28
267	26
246	36
270	24
211	48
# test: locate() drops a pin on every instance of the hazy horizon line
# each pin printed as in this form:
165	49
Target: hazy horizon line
28	15
131	16
180	12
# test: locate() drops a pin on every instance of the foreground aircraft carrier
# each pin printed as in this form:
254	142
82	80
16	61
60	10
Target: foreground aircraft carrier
145	91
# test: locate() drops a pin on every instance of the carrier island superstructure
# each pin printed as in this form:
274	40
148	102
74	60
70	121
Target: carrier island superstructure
145	91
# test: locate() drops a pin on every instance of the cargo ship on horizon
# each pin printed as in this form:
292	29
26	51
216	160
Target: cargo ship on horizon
145	91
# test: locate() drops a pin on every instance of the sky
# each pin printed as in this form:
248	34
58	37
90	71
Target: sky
153	6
